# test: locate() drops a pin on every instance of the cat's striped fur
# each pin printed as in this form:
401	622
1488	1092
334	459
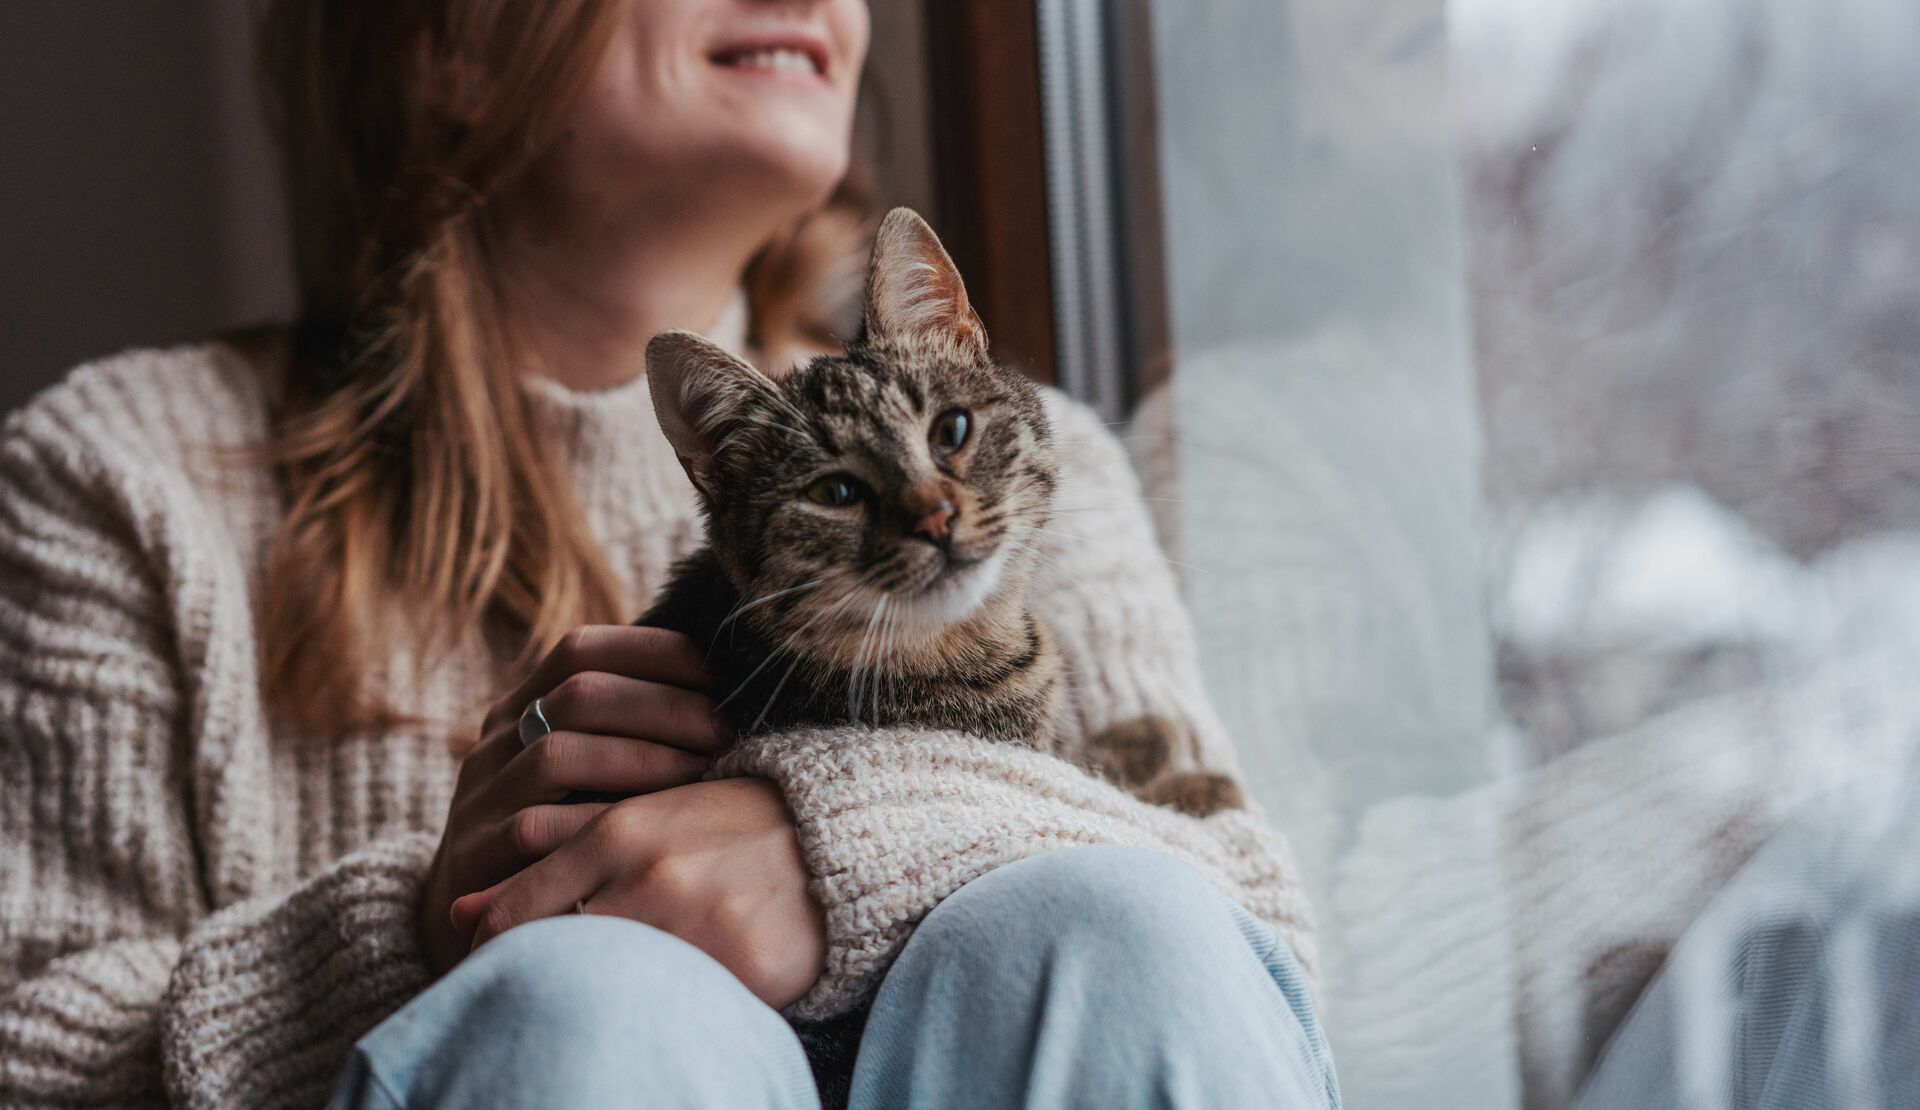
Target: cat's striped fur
828	614
821	614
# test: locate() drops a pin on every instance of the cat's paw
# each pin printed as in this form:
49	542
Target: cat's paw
1196	793
1133	752
1137	753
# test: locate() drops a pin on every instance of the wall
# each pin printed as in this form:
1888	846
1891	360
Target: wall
136	209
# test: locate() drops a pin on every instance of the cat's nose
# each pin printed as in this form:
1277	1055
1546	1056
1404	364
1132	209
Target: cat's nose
936	524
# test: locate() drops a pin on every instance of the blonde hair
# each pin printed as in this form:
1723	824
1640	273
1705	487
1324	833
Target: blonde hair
418	502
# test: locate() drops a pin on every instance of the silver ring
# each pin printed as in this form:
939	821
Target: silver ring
533	724
580	907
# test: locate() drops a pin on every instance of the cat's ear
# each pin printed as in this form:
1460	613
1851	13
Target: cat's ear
913	291
699	391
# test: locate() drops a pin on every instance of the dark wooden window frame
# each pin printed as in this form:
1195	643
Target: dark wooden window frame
990	175
983	63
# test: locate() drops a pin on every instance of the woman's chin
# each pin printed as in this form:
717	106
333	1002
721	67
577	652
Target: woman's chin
809	176
794	148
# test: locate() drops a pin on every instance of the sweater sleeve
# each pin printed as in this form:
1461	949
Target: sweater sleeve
892	821
126	978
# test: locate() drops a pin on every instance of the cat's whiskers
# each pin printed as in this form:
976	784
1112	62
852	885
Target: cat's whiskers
775	696
788	644
1035	521
1029	491
741	609
1143	437
852	591
875	661
1042	560
893	682
855	687
882	657
1045	559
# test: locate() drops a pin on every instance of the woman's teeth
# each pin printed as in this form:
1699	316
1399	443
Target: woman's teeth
776	59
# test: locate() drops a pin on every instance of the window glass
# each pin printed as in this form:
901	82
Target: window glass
1541	451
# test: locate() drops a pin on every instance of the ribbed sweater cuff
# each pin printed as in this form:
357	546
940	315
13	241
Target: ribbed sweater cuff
82	1030
891	822
270	995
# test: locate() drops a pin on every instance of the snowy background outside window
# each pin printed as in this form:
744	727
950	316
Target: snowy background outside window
1546	463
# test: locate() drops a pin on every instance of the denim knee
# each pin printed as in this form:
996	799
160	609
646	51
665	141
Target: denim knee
573	1011
1137	906
1100	976
589	975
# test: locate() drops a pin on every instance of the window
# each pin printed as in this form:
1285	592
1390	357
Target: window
1528	393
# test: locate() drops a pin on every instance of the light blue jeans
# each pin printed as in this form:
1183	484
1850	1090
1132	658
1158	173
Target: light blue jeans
1092	977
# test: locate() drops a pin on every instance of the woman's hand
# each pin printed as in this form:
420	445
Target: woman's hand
716	864
631	714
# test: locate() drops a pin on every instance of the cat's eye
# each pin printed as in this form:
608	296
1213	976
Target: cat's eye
836	490
950	429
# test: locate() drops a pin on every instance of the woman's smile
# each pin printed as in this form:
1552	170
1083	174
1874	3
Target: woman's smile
791	57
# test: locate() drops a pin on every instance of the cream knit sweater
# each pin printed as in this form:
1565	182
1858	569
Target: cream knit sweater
196	908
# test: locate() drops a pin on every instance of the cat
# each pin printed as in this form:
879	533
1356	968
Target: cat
873	521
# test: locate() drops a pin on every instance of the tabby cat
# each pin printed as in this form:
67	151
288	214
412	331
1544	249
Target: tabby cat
873	520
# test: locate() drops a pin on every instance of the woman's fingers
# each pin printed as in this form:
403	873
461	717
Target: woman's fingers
654	654
534	832
561	763
616	705
547	888
529	835
649	654
466	909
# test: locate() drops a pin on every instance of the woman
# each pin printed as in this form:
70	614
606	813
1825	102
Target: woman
250	590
